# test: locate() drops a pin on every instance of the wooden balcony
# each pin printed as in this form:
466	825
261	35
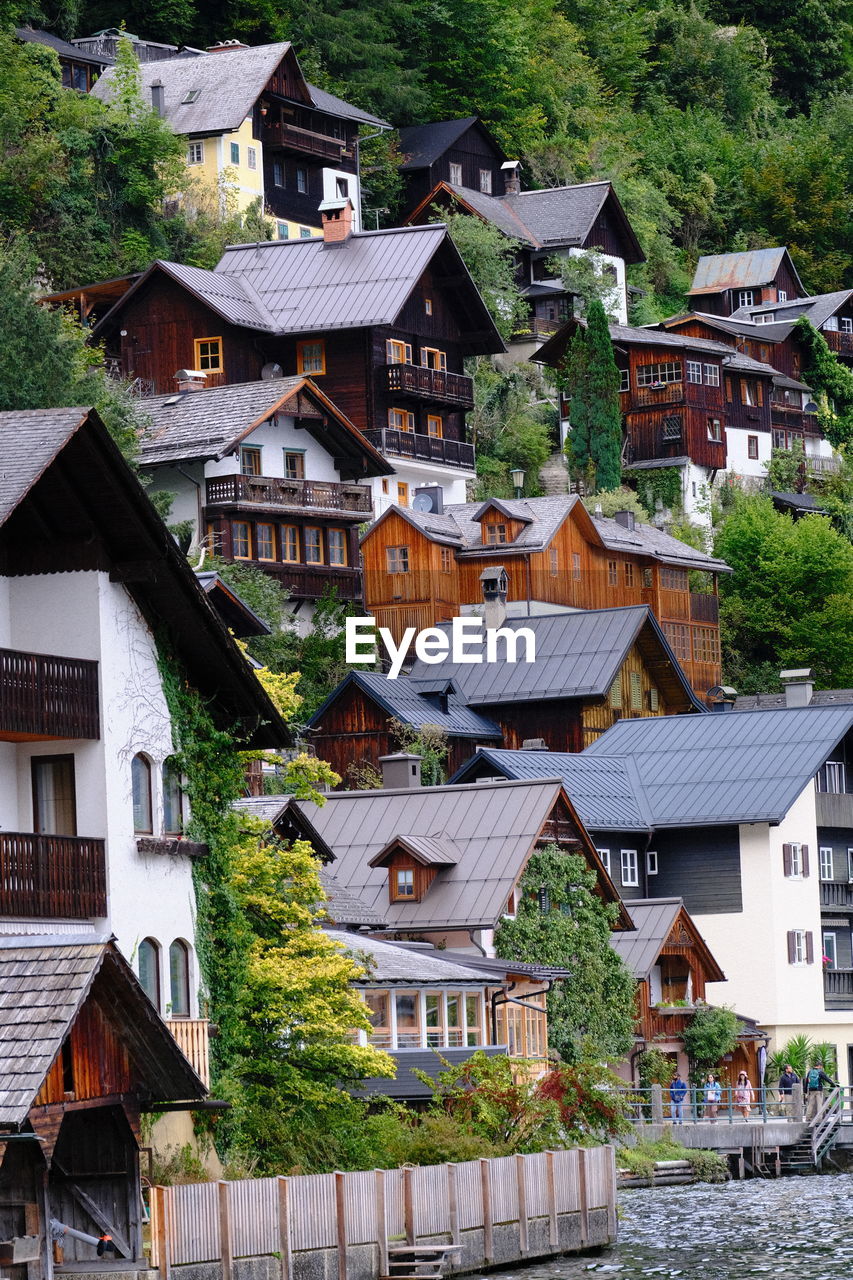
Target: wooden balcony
63	877
289	137
291	495
309	581
44	696
840	343
704	607
651	397
193	1037
789	417
836	893
822	466
834	809
411	444
430	384
838	988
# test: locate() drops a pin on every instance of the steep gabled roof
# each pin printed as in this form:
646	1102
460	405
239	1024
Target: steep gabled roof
722	769
429	851
61	47
399	698
238	616
654	920
817	308
423	144
287	820
719	271
213	422
333	106
578	655
44	983
344	908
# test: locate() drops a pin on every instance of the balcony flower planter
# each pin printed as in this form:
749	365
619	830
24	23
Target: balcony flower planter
676	1008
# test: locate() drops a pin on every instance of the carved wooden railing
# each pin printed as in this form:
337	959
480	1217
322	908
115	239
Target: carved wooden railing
44	696
412	444
431	384
44	876
275	491
193	1037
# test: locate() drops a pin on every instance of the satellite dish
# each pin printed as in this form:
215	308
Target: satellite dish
810	407
272	371
422	502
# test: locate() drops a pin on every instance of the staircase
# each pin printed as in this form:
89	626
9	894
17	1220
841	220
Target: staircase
418	1261
823	1131
554	476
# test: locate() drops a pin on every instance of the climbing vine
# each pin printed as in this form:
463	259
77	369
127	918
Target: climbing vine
662	483
832	381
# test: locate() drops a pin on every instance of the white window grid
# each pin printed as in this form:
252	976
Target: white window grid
826	867
712	375
650	375
630	869
694	370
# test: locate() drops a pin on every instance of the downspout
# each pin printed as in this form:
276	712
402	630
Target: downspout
527	580
500	997
198	503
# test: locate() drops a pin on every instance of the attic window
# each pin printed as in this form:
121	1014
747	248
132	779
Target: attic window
494	534
402	884
192	95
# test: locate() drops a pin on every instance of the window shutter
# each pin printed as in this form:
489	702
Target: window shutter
786	859
809	947
792	947
804	855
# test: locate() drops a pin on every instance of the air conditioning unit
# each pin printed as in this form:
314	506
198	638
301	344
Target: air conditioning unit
430	499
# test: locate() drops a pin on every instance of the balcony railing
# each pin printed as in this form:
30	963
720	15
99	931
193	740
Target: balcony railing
411	444
838	988
430	384
309	581
668	393
293	138
834	809
704	607
192	1035
838	341
834	893
52	876
44	696
823	466
273	491
793	418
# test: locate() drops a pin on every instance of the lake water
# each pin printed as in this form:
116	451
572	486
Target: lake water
791	1229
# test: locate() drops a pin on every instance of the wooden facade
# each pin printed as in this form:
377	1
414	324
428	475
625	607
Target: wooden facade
575	569
471	155
784	285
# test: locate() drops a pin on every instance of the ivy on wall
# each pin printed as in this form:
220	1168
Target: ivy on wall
663	483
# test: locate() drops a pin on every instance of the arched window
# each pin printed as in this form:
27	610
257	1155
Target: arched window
149	970
172	800
140	772
179	978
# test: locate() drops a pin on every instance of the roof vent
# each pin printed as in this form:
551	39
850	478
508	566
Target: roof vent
226	46
799	686
533	744
158	98
401	772
721	697
190	380
627	519
511	170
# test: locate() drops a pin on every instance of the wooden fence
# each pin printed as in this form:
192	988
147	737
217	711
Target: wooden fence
221	1221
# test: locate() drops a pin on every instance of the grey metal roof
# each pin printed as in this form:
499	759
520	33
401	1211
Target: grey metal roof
494	827
774	701
653	920
644	336
603	790
542	518
647	540
29	441
61	47
400	699
727	324
577	656
334	106
721	769
718	271
422	144
345	908
430	851
387	963
817	308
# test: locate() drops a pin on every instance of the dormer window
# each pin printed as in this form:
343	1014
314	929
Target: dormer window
402	883
494	535
413	863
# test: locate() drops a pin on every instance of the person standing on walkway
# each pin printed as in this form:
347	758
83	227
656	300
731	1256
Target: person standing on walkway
711	1094
743	1095
677	1094
787	1080
813	1083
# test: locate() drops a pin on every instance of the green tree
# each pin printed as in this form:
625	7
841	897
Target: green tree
561	921
489	256
786	468
709	1035
513	425
591	381
832	380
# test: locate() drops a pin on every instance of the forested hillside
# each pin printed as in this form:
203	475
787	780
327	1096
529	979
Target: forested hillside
723	124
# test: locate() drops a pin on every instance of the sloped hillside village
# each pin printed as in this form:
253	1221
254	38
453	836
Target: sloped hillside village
229	893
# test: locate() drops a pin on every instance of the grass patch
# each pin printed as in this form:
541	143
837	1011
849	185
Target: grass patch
641	1159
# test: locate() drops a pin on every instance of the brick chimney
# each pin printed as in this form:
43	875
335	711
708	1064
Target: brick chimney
338	217
158	98
401	772
799	686
511	170
190	380
226	46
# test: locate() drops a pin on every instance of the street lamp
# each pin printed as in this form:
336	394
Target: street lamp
518	480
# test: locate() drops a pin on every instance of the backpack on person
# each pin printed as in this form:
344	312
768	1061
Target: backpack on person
813	1078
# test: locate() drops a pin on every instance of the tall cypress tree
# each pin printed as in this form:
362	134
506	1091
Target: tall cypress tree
591	380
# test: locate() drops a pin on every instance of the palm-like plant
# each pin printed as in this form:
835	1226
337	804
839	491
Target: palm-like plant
797	1051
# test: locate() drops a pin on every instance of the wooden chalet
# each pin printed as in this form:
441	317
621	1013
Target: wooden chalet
459	153
381	321
82	1055
420	569
726	282
267	474
80	68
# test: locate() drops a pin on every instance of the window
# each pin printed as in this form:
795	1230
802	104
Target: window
408	1019
278	179
671	426
54	796
494	534
455	174
673	579
846	324
149	970
832	778
658	375
831	324
826	867
208	354
250	461
140	777
195	153
800	946
763	353
795	861
397	559
241	540
624	379
612	573
401	420
305	233
397	352
289	543
252	157
616	694
651	862
384	486
473	1020
629	574
746	298
830	951
431	358
751	392
576	565
706	645
752	447
446	560
729	388
311	357
694	370
302	181
294	465
192	95
636	684
715	430
341	188
235	153
179	979
630	869
428	306
403	882
402	493
337	546
435	426
486	181
712	375
264	542
554	561
654	700
678	635
313	545
850	866
781	295
765	317
604	855
785	439
173	816
282	231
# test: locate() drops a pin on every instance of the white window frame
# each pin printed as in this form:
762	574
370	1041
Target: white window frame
252	157
850	865
831	951
839	775
800	949
846	324
455	173
765	317
604	855
781	295
624	379
694	370
712	375
746	298
195	153
796	862
826	862
486	182
651	862
629	867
